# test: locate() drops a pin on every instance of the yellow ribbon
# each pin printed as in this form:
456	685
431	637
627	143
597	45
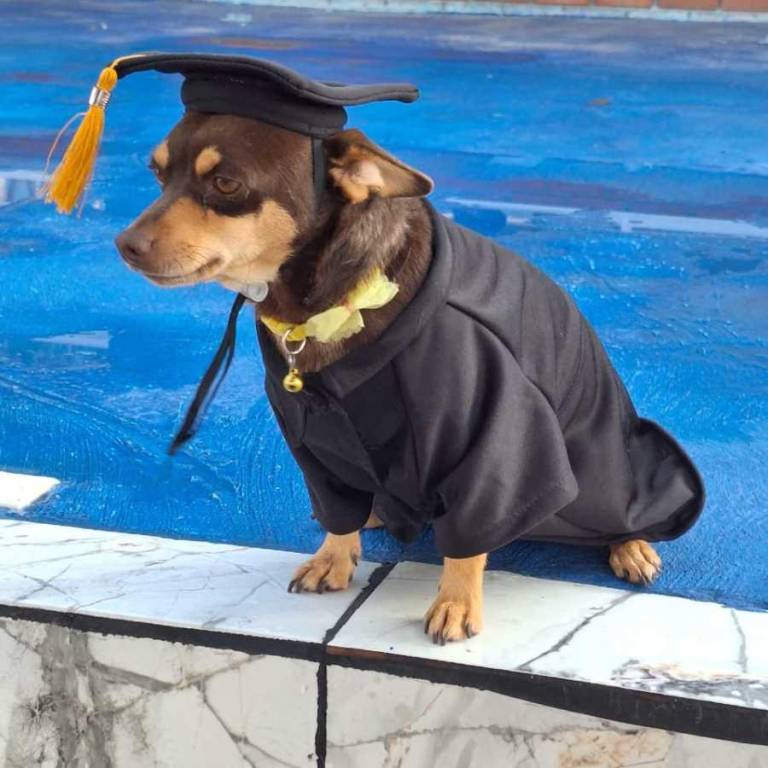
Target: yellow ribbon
343	320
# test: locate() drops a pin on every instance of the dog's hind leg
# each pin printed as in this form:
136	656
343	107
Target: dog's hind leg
331	568
635	560
373	521
457	613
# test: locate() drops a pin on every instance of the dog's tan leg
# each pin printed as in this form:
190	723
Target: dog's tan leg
458	610
373	521
635	560
330	569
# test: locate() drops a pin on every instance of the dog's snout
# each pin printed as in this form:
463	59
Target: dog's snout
134	245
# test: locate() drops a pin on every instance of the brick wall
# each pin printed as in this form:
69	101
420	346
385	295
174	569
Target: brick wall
751	6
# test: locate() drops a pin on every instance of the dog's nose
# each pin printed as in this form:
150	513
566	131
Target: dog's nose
134	246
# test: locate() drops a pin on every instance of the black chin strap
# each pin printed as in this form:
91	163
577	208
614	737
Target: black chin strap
318	170
217	370
211	381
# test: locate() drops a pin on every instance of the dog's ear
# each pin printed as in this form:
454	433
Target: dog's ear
360	168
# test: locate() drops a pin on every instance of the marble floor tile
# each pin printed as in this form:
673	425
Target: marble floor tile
150	579
71	698
377	720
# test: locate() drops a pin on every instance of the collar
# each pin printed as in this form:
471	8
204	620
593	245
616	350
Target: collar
364	362
343	320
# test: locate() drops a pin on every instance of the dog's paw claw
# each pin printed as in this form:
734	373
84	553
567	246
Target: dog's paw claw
450	620
324	573
636	561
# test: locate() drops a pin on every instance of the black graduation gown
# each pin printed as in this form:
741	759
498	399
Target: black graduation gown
489	410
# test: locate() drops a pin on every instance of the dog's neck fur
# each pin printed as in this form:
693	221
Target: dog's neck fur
346	244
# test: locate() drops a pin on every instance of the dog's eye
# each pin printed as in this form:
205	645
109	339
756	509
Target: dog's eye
159	174
226	186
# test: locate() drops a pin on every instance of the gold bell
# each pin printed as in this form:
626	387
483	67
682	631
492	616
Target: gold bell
292	381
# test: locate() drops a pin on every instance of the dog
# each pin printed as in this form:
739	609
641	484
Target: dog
238	206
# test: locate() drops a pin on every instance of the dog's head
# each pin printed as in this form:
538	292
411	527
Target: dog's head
237	196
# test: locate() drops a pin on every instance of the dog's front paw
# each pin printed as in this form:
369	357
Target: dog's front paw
636	561
453	619
331	568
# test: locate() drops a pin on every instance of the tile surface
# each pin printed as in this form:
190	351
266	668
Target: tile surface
165	581
614	637
83	699
18	491
376	720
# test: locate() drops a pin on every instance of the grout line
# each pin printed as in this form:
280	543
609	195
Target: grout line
321	720
321	733
374	580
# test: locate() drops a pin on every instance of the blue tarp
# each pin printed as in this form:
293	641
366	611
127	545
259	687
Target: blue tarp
627	159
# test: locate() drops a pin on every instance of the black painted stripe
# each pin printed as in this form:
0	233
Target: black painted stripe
207	638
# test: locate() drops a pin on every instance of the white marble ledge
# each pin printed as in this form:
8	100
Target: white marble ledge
164	581
571	631
607	636
18	491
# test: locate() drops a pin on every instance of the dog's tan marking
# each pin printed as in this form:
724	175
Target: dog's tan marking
207	160
193	244
635	560
270	240
330	569
161	156
362	168
458	610
358	180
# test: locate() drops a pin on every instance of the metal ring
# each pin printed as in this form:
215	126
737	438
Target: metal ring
99	97
288	350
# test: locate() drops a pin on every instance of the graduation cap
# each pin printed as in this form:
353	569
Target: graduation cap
223	85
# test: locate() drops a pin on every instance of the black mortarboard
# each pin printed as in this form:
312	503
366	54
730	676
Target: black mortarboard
228	85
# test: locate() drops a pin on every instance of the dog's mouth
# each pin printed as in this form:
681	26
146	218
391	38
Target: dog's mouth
187	278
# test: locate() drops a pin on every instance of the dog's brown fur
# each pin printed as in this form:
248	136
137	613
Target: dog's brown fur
238	206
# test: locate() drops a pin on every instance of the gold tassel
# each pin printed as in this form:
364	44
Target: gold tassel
73	173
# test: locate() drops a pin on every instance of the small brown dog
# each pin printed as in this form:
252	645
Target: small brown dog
238	207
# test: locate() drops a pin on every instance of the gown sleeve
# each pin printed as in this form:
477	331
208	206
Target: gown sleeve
338	507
